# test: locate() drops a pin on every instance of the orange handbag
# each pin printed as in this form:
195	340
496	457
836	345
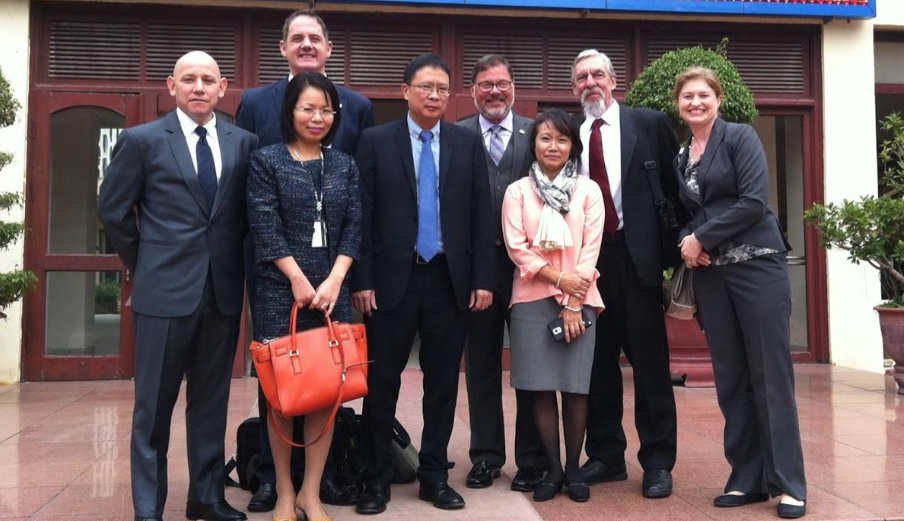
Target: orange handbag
306	371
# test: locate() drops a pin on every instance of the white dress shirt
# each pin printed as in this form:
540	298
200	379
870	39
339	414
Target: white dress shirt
611	135
507	124
191	138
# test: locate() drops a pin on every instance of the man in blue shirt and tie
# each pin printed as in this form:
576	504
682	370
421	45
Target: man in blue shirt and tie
426	260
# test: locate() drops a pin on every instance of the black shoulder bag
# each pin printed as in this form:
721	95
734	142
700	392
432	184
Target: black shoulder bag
669	227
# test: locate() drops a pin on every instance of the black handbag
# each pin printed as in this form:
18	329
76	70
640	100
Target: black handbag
669	225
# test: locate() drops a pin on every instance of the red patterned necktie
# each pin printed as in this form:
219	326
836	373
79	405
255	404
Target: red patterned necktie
599	174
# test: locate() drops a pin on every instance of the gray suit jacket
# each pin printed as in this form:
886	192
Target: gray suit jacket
179	240
521	162
734	185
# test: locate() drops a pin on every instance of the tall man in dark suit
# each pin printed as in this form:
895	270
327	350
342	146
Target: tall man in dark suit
505	138
426	259
621	146
184	177
306	46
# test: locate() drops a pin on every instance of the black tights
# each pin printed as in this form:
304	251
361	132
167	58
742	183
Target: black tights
574	421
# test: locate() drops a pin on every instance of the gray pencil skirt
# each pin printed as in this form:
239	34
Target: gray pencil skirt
539	363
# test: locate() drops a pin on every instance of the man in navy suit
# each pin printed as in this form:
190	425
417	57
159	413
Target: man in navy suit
427	257
186	175
306	46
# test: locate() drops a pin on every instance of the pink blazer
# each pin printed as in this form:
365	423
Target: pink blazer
520	222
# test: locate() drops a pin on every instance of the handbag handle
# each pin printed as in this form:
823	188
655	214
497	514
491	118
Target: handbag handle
333	337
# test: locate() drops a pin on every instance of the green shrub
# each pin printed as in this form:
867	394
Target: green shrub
653	88
106	297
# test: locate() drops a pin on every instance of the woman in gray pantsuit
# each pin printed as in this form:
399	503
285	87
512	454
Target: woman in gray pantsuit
553	226
737	250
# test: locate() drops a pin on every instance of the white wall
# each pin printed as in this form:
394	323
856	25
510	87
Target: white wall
890	13
850	172
14	27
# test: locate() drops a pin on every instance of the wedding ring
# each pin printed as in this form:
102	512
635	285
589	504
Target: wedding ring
324	306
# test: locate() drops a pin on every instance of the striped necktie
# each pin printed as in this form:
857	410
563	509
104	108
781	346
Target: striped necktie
496	149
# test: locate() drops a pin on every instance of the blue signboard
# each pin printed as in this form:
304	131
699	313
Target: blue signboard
818	8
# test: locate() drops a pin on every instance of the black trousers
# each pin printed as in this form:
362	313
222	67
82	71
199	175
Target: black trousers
429	309
483	372
201	347
745	309
632	322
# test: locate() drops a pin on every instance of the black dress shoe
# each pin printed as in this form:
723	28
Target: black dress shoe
482	476
374	499
547	490
734	500
220	511
335	491
657	483
441	495
527	479
786	511
579	492
596	471
264	500
142	518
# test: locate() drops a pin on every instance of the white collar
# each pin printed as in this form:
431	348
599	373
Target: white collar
508	123
189	125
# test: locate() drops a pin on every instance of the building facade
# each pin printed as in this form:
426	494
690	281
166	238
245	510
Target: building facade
819	70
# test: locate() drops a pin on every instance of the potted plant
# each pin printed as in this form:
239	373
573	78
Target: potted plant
871	230
688	352
13	284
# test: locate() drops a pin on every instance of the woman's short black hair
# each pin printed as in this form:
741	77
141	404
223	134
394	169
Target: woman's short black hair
298	84
561	121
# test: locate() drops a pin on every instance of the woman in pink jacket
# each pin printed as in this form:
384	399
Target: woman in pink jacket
553	225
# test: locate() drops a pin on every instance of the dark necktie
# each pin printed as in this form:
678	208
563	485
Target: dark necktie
599	174
207	170
427	211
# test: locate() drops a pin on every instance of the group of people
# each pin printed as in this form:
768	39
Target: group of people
452	232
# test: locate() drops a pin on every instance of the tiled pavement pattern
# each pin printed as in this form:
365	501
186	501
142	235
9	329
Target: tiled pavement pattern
64	450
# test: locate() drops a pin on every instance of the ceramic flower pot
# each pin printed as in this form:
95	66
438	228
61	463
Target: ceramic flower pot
689	358
891	322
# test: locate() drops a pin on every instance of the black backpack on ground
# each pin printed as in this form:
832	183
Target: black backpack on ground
247	454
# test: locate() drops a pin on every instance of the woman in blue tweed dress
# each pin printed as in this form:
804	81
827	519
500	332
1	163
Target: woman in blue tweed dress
304	212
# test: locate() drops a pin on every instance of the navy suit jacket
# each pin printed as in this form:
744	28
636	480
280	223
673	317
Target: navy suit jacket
390	212
179	239
734	185
259	111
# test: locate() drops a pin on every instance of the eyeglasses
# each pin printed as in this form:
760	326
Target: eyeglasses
487	86
426	89
598	76
308	112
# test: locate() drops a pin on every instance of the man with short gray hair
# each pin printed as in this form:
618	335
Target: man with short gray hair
626	150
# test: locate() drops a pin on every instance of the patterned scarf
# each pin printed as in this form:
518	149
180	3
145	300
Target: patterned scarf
553	233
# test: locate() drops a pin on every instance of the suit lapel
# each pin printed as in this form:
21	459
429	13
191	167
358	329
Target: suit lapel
179	148
403	142
278	91
445	153
715	140
227	153
520	137
628	139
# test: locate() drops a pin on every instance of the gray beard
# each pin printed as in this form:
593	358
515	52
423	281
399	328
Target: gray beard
493	115
593	109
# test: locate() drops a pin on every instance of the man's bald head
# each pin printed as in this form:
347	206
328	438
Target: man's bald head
197	85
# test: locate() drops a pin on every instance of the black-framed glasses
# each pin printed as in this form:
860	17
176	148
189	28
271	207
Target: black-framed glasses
426	89
308	112
487	86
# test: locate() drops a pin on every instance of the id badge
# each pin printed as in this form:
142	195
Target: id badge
319	238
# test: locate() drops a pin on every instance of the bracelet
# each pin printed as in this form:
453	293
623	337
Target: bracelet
561	273
573	310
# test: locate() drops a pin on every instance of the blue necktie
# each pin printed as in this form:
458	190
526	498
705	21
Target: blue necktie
207	170
427	212
496	149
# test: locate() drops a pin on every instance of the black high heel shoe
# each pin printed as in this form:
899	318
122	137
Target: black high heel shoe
547	490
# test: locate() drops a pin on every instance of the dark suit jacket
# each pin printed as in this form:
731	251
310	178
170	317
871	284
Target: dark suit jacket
259	111
179	239
521	162
734	183
647	143
390	212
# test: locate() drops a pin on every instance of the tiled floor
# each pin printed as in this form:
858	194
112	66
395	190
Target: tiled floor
64	455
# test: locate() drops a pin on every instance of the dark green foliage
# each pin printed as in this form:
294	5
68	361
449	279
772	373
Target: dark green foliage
106	297
653	88
871	230
13	284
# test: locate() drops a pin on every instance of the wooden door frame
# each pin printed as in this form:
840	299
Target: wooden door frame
36	365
